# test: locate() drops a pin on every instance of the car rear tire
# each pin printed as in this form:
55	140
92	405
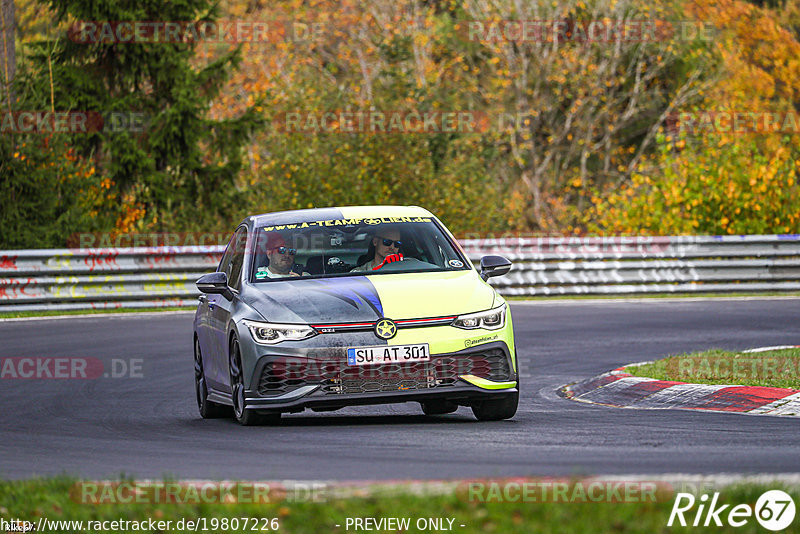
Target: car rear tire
438	407
242	415
208	409
504	407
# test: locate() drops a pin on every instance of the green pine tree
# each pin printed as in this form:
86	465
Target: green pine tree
178	164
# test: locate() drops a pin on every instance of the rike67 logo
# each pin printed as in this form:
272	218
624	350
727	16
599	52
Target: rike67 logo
774	510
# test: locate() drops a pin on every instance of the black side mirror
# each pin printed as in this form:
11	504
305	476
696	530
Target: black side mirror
214	283
494	266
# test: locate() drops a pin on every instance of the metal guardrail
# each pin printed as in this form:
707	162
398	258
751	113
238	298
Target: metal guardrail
635	265
136	277
64	279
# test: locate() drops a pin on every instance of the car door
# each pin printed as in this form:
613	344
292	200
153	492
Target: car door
220	307
205	336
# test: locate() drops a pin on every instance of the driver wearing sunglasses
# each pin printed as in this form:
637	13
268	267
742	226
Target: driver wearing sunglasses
281	258
387	246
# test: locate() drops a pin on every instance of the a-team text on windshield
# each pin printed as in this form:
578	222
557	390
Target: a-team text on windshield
372	221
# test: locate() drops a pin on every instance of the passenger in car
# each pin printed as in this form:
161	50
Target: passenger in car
280	257
387	246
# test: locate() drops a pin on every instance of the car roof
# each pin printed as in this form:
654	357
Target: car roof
384	213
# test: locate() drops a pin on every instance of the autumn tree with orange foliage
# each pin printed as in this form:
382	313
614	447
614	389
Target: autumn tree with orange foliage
566	119
386	56
723	182
576	140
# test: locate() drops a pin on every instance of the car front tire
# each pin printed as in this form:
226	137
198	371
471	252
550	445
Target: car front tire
242	415
504	407
438	407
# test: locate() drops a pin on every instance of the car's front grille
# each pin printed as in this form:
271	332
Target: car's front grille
276	379
336	377
391	377
492	364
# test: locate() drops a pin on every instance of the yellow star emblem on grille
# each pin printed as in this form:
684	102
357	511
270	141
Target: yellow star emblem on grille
385	329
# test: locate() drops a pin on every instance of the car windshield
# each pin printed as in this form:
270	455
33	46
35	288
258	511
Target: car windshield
316	249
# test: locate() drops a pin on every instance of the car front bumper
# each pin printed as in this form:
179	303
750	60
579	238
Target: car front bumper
324	381
313	398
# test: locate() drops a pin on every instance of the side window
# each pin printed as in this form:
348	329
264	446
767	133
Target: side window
239	243
225	262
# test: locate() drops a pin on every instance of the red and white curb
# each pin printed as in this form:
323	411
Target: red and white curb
623	390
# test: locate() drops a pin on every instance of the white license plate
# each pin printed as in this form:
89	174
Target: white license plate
388	354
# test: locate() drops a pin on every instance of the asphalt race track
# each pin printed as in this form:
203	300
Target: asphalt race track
149	427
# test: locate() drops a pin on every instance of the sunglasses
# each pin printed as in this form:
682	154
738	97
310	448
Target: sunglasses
388	243
284	250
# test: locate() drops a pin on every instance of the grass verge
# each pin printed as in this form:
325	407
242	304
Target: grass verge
776	368
55	499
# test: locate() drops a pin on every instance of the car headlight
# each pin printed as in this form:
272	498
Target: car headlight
272	333
489	319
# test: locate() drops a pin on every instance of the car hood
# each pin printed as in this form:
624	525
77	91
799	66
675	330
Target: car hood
367	298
